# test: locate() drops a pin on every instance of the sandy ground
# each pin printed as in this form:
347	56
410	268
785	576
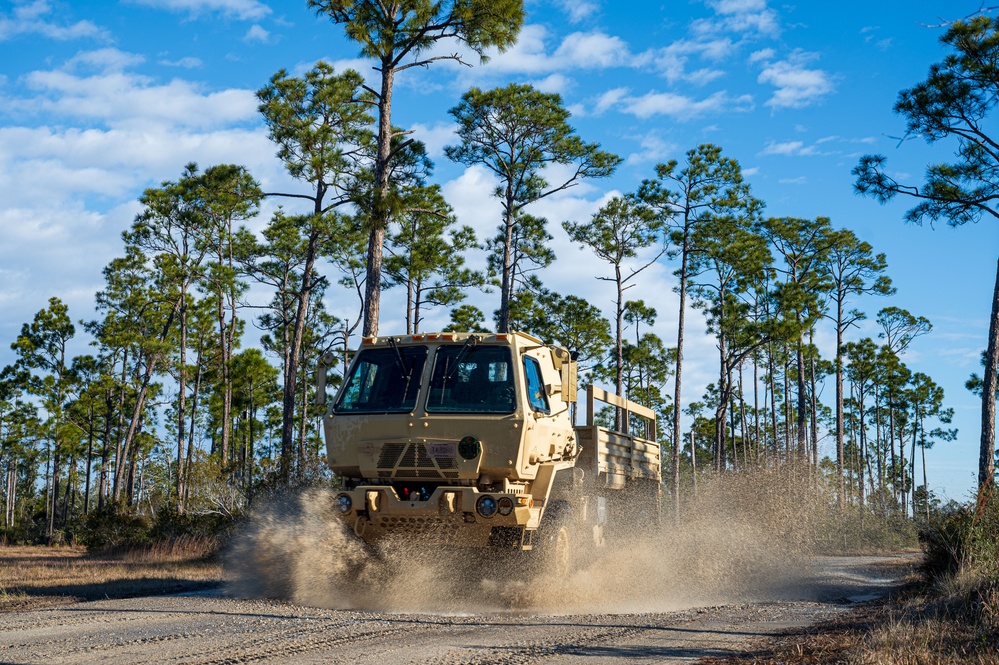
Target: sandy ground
210	627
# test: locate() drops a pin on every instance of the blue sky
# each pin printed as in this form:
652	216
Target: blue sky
99	100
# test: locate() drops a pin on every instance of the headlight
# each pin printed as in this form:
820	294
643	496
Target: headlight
343	503
469	448
505	506
486	506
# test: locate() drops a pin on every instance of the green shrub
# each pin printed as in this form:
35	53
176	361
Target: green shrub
109	529
198	534
964	538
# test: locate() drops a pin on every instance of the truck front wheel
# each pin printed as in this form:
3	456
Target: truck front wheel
555	540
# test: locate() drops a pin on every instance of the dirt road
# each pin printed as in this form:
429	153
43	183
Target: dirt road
208	627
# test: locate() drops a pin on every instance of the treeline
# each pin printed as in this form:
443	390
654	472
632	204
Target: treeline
179	410
171	410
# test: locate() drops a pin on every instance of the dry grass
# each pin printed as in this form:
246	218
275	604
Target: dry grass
32	577
956	625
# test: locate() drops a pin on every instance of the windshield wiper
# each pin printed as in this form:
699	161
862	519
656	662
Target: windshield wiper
469	344
402	366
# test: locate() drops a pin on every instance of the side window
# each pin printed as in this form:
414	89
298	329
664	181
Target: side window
536	394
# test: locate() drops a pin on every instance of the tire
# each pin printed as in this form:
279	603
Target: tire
562	551
555	540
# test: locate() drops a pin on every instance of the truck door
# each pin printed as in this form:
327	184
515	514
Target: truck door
544	428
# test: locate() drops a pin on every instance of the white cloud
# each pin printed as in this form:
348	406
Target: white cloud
245	10
610	99
526	55
556	82
796	85
52	250
130	132
122	99
115	163
69	191
183	63
800	149
31	18
105	59
593	50
881	44
471	196
682	107
750	18
435	137
578	10
737	6
821	147
578	50
359	65
672	61
785	148
653	149
257	34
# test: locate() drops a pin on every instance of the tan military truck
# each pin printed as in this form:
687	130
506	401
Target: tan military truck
467	440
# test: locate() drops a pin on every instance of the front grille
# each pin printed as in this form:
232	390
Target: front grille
410	460
419	473
390	455
446	463
416	457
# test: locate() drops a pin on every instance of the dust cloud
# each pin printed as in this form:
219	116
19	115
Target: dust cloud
742	538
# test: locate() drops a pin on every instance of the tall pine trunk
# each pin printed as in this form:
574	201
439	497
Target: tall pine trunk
380	212
181	403
839	404
506	279
986	455
681	318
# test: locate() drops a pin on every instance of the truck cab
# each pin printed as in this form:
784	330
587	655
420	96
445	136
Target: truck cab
467	440
462	439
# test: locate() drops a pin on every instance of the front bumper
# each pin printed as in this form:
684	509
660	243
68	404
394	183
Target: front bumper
450	515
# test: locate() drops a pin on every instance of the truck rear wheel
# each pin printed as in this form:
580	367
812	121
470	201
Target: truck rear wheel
561	555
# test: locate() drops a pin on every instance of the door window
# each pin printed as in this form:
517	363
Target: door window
536	394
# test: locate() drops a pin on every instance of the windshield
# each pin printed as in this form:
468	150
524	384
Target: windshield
385	380
472	379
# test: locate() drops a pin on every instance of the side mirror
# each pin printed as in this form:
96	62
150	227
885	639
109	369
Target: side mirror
324	363
569	380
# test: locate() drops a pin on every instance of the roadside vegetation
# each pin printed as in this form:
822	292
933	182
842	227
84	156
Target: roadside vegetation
32	577
117	555
947	614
